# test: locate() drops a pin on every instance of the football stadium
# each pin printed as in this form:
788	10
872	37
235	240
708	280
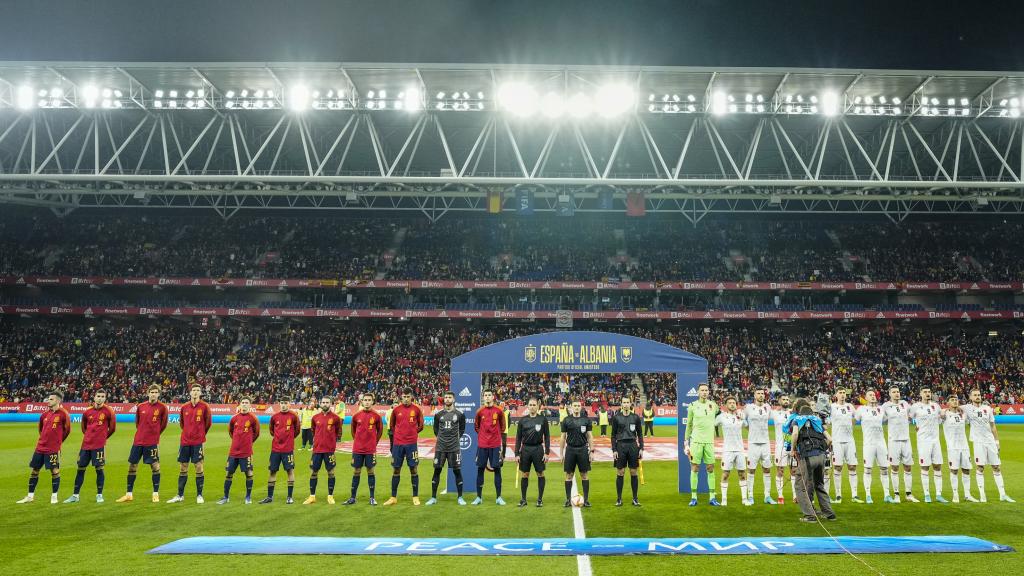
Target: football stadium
567	319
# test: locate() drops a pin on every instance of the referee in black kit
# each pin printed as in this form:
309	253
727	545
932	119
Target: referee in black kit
577	447
627	448
533	443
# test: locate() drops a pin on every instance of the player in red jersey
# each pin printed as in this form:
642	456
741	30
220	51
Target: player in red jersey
54	428
98	424
244	429
195	422
367	428
492	441
326	433
150	422
405	426
284	429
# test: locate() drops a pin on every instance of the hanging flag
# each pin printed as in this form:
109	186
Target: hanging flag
604	199
524	202
636	204
566	205
494	202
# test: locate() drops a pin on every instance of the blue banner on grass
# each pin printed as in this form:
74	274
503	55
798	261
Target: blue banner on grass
573	546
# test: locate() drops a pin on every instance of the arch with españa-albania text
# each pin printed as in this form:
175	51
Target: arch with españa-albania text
575	352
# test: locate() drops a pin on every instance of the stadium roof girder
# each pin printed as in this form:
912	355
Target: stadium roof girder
436	161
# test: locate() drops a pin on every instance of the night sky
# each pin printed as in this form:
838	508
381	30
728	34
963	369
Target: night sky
938	34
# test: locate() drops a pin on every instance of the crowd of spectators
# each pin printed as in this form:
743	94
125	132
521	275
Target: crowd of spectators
303	362
585	247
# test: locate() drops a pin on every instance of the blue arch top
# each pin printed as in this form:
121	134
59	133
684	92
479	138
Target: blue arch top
579	352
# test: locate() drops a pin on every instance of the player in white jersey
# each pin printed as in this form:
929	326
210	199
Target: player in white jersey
783	459
844	449
897	417
757	415
871	418
734	456
927	415
985	439
954	428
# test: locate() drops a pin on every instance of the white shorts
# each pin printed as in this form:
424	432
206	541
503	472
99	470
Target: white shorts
844	453
734	461
986	454
759	453
875	453
929	453
782	457
959	459
900	453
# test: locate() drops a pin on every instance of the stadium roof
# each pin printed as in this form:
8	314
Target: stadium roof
440	137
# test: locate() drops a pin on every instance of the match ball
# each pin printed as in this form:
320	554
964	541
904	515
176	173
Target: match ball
577	500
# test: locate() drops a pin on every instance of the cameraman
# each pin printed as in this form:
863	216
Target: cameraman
810	446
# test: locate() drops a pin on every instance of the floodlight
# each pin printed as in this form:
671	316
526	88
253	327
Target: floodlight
518	98
299	97
552	105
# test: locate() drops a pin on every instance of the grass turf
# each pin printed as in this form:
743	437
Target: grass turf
87	538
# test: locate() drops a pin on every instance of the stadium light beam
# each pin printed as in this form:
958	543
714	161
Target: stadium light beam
552	105
299	98
719	103
25	98
830	103
580	105
518	98
614	100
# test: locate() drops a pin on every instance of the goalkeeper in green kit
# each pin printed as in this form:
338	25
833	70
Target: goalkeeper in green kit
699	441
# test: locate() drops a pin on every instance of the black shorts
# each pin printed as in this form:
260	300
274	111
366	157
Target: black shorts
364	461
97	457
282	459
576	459
531	456
328	460
453	458
489	457
405	452
148	454
245	463
193	454
629	455
48	461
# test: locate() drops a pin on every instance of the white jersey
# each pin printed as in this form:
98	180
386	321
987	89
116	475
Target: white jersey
757	422
732	431
980	418
927	417
841	416
779	417
897	414
954	428
871	419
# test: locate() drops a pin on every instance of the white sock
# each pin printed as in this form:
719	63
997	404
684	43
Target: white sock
981	484
792	487
853	483
867	482
725	491
31	494
965	477
908	480
837	482
743	489
779	483
885	481
767	484
894	478
937	477
998	477
926	485
954	484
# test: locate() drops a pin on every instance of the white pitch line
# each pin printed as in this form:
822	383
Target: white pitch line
583	560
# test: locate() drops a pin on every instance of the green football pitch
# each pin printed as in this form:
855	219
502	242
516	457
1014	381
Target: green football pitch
111	538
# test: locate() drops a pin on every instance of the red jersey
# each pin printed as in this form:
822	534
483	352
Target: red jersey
284	428
406	423
150	421
367	429
489	424
244	429
98	424
195	423
326	432
54	428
